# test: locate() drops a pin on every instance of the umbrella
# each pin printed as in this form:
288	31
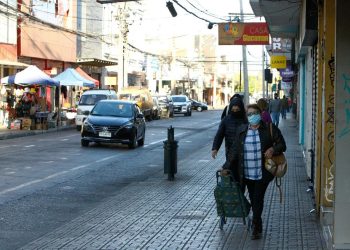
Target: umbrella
30	76
70	77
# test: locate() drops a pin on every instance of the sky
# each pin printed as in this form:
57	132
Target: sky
161	28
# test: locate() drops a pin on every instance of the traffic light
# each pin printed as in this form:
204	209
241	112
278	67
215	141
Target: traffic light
171	9
268	75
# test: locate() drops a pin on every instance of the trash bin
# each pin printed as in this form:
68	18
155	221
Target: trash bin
170	155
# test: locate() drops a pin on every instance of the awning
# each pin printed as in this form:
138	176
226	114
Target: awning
86	76
70	77
95	62
13	64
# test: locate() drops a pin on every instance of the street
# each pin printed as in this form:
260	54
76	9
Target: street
48	180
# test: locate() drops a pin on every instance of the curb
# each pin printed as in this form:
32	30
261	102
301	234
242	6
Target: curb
22	133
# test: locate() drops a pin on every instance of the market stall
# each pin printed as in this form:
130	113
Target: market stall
27	93
71	82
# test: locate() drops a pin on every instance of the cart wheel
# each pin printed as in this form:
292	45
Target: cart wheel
222	222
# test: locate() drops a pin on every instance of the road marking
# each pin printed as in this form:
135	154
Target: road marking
10	172
29	146
155	142
5	146
32	182
80	167
64	139
107	158
47	162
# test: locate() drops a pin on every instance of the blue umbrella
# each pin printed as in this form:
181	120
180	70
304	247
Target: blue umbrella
30	76
70	77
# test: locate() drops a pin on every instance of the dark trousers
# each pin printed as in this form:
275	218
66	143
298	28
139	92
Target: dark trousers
256	190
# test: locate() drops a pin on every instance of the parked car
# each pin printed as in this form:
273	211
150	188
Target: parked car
114	121
182	105
156	110
166	106
199	106
88	100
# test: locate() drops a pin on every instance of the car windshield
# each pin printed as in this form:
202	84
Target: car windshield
112	109
91	99
129	97
179	99
163	99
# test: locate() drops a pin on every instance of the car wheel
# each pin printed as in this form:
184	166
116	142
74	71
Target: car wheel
78	127
142	140
190	114
133	142
172	114
84	143
199	109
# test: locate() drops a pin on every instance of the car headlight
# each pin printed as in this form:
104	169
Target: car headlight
88	125
79	112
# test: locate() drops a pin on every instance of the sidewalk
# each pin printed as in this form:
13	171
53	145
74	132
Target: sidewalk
158	214
6	133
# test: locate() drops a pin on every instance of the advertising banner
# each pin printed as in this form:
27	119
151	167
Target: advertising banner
287	74
278	62
243	34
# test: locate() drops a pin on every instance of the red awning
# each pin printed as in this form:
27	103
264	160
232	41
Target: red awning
86	76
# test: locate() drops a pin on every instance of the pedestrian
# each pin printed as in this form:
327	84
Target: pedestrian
264	106
284	107
289	104
246	159
275	109
228	125
226	109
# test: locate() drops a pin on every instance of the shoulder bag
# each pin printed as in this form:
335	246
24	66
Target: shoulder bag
277	165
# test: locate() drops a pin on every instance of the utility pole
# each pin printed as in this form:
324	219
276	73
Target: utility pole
263	71
245	66
122	44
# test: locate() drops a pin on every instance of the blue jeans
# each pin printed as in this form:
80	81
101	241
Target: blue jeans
284	113
275	118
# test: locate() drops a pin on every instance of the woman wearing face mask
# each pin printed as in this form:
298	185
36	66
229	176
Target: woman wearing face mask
228	126
253	143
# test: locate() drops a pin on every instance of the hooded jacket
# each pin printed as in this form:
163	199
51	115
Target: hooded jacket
228	125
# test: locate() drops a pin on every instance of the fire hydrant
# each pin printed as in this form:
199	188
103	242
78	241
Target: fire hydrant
170	155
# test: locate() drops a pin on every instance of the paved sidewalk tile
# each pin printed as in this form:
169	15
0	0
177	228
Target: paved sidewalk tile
158	214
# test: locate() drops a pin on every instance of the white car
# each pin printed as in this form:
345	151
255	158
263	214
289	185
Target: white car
88	100
182	105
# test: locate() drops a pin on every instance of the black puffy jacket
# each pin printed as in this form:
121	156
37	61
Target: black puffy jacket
228	126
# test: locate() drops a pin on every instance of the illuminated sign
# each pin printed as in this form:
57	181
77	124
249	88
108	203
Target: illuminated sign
243	34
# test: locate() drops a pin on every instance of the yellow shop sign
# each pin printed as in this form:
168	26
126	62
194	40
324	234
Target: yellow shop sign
279	62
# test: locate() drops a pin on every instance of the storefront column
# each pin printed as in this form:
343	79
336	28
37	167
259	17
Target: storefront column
302	101
327	161
342	130
319	123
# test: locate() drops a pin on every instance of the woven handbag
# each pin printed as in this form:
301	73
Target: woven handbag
277	165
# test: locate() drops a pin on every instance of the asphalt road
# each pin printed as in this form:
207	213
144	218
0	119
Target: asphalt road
49	179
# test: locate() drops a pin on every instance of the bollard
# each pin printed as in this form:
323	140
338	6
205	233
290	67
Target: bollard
170	155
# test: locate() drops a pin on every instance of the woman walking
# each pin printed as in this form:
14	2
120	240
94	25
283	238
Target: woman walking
228	126
246	159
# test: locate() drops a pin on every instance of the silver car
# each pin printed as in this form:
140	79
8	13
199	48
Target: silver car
182	105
